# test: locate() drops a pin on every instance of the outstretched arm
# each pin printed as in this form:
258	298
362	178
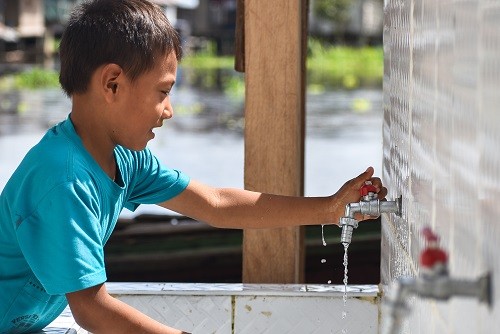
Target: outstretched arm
237	208
98	312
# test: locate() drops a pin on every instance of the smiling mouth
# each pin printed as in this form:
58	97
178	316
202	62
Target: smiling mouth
156	127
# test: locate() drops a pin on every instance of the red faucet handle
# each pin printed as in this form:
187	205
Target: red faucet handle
431	257
367	188
429	235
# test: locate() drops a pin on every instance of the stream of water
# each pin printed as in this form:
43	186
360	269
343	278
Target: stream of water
346	262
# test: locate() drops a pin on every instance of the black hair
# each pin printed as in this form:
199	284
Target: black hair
129	33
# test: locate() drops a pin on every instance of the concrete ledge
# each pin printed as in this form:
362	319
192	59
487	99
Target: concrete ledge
246	308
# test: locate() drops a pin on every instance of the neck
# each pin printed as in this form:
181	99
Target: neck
94	138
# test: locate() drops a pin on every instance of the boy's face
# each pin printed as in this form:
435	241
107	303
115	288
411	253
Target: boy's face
144	104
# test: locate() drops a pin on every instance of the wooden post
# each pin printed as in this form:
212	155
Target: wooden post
239	37
275	47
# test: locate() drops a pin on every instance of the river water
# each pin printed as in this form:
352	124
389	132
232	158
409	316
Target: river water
205	137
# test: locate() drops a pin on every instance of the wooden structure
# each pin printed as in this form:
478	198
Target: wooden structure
22	30
26	16
272	36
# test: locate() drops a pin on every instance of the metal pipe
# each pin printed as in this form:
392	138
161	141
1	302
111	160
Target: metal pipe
438	287
434	282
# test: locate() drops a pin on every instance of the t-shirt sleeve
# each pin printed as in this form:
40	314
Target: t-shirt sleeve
61	240
153	182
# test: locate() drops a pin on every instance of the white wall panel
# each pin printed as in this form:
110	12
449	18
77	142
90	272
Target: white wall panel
442	150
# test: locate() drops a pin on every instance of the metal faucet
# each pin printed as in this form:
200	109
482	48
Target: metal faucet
434	282
368	205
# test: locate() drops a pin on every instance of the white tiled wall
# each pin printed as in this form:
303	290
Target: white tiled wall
442	150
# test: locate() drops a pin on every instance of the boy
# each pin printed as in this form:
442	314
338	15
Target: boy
118	65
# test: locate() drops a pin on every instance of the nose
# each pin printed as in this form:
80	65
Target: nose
168	112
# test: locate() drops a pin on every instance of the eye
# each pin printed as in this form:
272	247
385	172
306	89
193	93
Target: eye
165	92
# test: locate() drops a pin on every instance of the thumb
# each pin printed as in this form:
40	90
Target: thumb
366	175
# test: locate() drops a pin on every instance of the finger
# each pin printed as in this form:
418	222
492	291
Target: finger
382	193
366	175
381	190
361	217
377	183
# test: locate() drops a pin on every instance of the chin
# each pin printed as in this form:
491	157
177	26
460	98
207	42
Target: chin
136	148
140	148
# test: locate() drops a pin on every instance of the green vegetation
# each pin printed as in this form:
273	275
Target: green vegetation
34	78
327	67
343	66
206	59
334	10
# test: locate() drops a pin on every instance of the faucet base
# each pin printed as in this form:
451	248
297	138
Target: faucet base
486	284
399	203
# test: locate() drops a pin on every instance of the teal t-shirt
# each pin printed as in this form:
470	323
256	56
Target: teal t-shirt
56	213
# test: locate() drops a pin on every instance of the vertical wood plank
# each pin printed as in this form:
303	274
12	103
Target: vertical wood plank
275	34
239	37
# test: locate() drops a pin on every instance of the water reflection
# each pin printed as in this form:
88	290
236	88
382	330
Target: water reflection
205	137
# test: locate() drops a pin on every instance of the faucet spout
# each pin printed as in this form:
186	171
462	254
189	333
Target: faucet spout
348	225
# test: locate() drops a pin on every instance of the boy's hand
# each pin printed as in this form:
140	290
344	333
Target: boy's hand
349	192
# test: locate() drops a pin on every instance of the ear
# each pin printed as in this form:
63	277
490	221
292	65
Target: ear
111	76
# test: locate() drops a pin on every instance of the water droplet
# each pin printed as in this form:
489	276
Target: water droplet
323	234
329	281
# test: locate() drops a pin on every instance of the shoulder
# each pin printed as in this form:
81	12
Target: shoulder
54	161
49	156
53	157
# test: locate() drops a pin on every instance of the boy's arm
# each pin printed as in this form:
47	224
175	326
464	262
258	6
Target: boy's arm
237	208
98	312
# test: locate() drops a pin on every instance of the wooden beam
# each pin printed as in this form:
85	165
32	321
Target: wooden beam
239	37
275	47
